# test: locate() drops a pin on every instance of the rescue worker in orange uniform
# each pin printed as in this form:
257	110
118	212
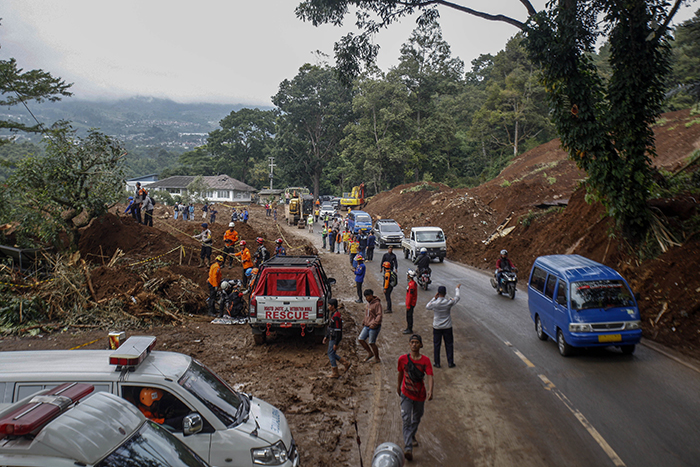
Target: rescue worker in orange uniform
150	400
230	240
214	282
245	258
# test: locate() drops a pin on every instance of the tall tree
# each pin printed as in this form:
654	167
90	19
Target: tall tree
606	129
19	87
244	139
379	135
315	107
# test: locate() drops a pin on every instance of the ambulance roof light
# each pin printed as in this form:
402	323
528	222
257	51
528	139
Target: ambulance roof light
132	352
42	409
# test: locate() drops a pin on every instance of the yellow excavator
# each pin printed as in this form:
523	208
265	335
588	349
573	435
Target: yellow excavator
354	199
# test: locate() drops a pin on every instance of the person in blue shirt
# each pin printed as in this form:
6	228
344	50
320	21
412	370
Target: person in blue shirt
371	242
245	216
130	207
359	276
280	250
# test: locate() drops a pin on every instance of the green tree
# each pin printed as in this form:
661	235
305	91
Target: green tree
378	136
430	74
75	181
315	107
19	87
197	190
244	139
605	128
684	80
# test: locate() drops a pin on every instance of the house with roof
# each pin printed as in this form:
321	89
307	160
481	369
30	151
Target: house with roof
221	188
144	180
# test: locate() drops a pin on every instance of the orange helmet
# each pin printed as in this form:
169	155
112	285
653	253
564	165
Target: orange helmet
149	396
386	265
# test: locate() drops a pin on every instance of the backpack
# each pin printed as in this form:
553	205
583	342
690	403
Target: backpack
393	279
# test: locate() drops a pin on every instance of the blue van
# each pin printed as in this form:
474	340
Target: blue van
581	303
359	221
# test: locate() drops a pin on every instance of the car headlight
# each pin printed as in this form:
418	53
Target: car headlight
630	325
275	454
579	327
443	248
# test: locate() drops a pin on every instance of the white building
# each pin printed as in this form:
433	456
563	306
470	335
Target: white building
222	188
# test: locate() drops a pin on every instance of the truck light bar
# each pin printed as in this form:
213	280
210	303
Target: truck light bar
133	351
42	409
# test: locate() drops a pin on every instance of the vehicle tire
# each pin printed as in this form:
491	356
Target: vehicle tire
564	348
259	338
442	258
511	290
381	245
627	349
405	253
541	335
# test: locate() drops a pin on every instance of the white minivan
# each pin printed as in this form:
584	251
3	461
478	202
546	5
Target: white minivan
224	427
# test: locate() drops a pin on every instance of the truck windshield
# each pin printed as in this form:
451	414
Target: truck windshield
600	294
153	446
363	218
212	392
430	236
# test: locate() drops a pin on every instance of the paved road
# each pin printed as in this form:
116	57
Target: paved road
639	410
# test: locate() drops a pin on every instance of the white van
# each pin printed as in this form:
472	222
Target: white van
236	429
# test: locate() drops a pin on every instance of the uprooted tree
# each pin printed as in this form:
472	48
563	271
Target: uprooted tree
604	125
76	180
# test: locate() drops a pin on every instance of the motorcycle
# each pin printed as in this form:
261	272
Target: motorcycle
423	279
509	280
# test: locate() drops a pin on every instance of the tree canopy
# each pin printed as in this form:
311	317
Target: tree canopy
605	125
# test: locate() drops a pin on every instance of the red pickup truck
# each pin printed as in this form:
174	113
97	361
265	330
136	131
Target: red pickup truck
290	296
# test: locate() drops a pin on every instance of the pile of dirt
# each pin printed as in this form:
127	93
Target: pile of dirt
534	207
156	268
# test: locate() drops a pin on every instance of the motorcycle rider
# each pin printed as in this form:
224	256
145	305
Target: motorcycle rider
423	262
503	264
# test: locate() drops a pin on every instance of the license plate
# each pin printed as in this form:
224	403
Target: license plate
610	338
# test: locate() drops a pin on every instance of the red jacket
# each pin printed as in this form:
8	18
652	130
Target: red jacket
411	294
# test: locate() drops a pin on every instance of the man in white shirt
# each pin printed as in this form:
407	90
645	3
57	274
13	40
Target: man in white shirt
442	324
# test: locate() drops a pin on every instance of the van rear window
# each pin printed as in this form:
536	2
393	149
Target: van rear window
537	279
600	294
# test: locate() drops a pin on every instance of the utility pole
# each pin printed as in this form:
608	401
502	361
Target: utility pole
272	166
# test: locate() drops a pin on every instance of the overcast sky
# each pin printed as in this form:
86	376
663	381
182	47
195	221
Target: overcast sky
230	52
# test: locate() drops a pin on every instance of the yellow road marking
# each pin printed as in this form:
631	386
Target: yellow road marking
549	386
524	358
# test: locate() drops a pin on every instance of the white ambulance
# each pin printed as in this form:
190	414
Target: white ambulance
67	426
224	427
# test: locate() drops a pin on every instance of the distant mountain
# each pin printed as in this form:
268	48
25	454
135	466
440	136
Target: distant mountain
134	119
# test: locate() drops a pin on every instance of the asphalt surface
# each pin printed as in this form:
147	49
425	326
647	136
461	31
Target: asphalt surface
513	400
638	410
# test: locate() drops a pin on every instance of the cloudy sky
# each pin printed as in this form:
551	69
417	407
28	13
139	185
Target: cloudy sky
230	52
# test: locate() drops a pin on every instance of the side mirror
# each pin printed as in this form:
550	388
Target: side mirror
192	424
330	281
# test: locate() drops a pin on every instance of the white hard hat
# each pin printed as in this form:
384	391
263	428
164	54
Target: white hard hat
225	285
504	252
231	224
423	250
411	273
